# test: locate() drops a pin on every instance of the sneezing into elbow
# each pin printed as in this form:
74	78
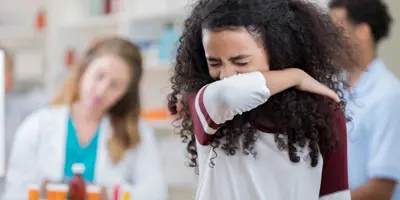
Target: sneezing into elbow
240	99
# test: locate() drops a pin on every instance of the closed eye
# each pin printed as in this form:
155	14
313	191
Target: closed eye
242	64
215	64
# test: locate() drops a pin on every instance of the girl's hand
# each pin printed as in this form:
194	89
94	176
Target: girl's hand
43	190
308	84
280	80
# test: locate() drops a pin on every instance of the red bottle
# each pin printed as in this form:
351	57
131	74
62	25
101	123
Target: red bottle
115	6
77	185
40	19
116	191
107	7
70	57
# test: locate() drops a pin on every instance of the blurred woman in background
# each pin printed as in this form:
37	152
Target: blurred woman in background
94	121
17	104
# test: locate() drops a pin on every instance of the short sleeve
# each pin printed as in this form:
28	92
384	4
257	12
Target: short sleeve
384	157
199	113
334	181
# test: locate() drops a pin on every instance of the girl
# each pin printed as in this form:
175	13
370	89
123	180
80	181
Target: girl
254	76
94	121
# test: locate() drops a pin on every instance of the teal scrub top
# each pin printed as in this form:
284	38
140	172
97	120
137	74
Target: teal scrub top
75	153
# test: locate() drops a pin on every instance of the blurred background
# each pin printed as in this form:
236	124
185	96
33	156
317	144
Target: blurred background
46	38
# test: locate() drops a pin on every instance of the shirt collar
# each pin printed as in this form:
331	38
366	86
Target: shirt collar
367	79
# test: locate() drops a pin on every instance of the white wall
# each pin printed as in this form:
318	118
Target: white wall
389	50
18	11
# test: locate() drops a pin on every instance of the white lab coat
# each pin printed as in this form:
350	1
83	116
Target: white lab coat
38	154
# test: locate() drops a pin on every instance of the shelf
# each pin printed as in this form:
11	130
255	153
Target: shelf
168	15
160	124
12	36
114	20
95	22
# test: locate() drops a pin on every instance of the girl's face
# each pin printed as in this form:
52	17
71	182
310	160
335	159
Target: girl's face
230	52
105	81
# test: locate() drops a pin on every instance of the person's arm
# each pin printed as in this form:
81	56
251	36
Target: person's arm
384	165
149	181
374	189
220	101
334	181
22	164
280	80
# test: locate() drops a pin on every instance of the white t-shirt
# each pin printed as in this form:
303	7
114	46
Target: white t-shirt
270	175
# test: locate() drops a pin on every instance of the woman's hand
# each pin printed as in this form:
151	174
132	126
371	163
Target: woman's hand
43	190
103	194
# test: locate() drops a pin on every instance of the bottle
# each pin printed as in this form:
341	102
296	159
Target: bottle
40	19
107	7
70	55
34	192
116	191
168	43
94	192
96	7
115	6
126	195
77	185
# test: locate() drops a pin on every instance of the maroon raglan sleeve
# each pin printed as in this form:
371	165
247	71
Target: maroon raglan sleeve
197	110
334	183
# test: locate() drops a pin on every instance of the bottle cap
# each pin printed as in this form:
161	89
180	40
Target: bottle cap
126	188
33	187
93	189
78	168
57	187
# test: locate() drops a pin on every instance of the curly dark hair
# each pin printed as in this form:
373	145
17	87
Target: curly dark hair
373	12
296	34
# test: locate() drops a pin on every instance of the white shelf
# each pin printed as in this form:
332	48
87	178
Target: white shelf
161	124
12	36
159	16
102	21
116	20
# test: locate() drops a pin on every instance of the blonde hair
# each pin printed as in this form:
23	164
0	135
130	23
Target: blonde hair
125	113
